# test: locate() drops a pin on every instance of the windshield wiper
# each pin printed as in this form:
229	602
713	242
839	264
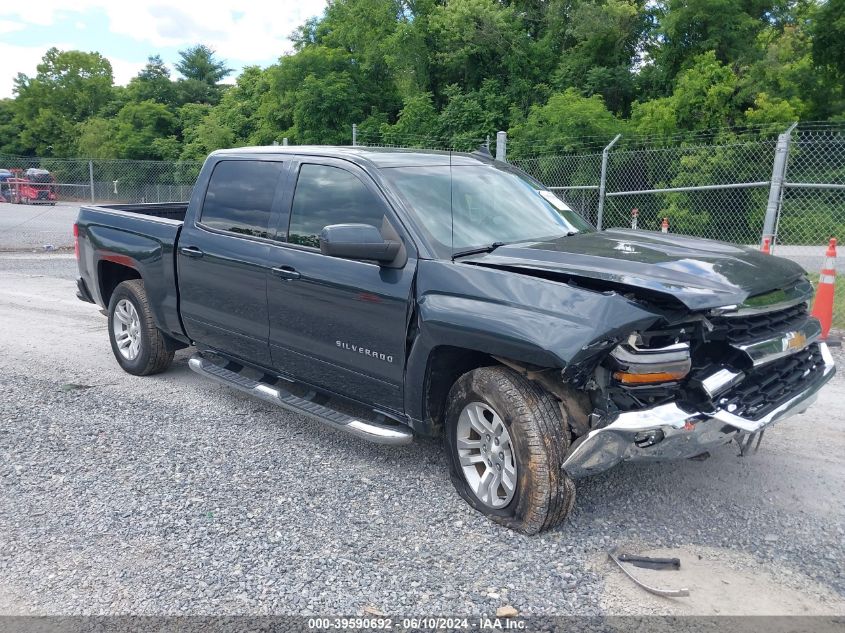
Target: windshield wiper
476	251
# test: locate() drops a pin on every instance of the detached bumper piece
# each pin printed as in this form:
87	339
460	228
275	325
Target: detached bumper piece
778	390
274	392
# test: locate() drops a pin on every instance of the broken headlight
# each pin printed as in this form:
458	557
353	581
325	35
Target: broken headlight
635	364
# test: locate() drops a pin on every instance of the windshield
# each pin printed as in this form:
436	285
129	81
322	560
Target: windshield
471	206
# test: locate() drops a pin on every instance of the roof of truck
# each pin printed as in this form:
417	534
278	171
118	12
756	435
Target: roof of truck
377	156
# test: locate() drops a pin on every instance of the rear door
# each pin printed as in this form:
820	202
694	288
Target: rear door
223	258
337	323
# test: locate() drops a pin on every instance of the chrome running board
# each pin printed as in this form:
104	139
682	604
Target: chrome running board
365	429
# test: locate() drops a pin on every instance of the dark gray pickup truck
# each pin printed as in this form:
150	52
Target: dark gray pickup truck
392	293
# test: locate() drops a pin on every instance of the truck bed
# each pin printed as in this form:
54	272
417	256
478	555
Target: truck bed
139	237
165	210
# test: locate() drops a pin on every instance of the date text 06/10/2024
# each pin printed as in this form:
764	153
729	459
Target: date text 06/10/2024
416	624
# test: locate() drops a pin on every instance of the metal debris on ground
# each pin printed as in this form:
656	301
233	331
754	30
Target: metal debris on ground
649	562
668	593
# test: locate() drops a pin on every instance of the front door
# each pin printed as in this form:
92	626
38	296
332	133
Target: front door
337	323
223	259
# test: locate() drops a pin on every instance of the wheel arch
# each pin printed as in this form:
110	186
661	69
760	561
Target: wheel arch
110	274
445	364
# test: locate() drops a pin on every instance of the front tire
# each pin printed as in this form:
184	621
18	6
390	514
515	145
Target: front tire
137	344
506	441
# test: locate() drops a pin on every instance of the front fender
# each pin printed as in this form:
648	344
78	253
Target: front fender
517	316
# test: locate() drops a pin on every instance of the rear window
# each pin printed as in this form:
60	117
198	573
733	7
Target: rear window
240	196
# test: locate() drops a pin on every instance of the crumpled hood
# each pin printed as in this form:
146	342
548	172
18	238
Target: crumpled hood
700	273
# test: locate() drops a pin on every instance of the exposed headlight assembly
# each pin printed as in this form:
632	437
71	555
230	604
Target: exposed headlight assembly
636	365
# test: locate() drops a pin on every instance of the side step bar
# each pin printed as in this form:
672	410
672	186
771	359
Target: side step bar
365	429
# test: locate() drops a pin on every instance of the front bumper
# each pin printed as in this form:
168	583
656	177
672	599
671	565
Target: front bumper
685	434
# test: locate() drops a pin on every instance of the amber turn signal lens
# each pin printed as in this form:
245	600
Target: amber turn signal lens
647	379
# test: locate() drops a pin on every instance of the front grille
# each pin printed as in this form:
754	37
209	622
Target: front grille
771	385
738	330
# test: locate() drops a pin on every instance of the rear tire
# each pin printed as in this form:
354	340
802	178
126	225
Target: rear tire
543	494
137	344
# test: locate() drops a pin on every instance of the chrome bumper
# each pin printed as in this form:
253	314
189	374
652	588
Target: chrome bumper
685	434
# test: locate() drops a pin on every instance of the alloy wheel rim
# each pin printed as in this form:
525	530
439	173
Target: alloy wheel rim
126	325
486	455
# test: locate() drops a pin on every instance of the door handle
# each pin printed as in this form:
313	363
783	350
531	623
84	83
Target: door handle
191	251
286	272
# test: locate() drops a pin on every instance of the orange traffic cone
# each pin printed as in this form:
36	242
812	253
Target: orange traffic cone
664	226
767	241
823	305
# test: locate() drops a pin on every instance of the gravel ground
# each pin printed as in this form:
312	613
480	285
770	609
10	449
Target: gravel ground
172	495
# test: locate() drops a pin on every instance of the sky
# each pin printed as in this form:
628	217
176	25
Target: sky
127	32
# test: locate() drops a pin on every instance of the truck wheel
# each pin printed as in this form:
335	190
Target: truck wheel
506	442
136	342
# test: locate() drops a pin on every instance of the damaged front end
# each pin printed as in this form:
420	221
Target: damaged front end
689	384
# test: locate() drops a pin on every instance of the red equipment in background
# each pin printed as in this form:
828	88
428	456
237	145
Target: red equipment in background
33	186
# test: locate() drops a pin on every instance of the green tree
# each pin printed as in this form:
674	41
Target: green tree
96	139
202	73
68	88
325	109
417	123
601	49
469	117
685	29
153	83
234	121
364	29
474	40
706	95
201	64
10	128
313	96
563	123
829	36
145	130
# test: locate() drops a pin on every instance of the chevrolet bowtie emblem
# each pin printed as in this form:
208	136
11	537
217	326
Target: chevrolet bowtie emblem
796	341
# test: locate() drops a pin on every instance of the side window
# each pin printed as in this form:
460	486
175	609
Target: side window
240	196
329	195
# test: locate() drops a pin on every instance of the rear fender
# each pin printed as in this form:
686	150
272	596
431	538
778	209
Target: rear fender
151	258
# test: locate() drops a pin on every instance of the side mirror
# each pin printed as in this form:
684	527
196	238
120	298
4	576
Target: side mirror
358	241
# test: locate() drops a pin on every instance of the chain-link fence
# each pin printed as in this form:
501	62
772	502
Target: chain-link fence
733	189
99	180
730	185
738	186
812	205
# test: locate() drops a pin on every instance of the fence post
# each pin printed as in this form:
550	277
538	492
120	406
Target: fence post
285	141
603	180
354	134
502	146
91	177
776	186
